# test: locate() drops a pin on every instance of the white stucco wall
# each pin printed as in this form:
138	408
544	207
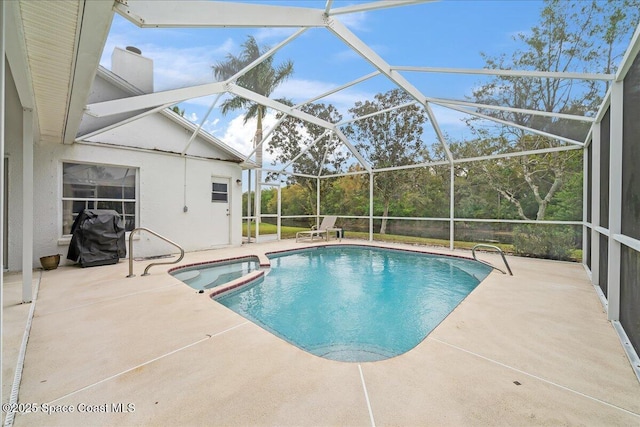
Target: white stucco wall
166	182
103	90
161	185
134	68
157	132
13	152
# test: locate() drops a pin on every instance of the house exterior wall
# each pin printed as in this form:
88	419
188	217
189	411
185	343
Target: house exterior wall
161	198
102	90
13	153
166	183
157	132
134	68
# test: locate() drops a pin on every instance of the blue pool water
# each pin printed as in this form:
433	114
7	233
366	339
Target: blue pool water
207	276
356	304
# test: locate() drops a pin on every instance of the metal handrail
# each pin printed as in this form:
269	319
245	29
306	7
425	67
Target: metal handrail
146	270
473	251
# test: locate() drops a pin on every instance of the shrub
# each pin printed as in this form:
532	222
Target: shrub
544	241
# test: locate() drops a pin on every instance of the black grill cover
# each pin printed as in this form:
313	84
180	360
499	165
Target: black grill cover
97	238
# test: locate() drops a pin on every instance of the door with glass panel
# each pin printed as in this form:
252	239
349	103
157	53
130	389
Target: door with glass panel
220	210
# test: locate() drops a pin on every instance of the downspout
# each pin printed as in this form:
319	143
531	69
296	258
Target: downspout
185	208
193	136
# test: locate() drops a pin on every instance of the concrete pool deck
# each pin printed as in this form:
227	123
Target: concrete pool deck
532	349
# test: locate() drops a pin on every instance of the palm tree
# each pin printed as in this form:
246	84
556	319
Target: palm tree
261	79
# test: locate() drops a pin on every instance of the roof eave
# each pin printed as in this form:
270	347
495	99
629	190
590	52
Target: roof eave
203	134
91	38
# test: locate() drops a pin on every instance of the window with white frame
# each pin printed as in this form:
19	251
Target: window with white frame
219	192
95	186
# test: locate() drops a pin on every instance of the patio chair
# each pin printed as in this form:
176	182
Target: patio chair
328	222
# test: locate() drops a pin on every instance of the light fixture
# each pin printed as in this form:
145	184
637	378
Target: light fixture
238	181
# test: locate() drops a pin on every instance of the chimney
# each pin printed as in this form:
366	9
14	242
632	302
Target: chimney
133	67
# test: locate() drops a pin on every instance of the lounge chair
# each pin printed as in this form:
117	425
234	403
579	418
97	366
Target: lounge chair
328	223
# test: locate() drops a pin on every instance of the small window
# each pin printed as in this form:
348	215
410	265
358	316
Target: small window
87	186
219	192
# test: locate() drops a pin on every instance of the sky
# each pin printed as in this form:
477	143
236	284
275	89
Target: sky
436	34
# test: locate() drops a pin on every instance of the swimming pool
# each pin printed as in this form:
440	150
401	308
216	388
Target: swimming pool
210	275
355	304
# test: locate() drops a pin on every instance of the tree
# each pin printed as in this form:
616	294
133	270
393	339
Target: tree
568	38
177	110
293	135
347	195
618	17
428	193
293	197
392	138
321	157
262	79
568	200
529	182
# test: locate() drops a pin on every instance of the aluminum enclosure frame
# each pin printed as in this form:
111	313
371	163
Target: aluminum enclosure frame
226	14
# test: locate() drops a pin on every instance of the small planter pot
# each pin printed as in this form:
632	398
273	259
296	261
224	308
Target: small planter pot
50	262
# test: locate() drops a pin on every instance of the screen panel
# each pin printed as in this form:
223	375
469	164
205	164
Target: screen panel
604	264
605	139
588	248
630	294
631	153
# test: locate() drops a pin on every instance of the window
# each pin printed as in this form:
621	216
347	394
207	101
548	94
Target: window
86	186
219	192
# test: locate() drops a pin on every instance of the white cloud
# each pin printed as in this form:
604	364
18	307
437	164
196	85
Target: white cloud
178	60
240	135
211	126
355	21
176	67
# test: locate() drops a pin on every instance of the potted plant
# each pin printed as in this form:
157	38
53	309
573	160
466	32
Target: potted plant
50	262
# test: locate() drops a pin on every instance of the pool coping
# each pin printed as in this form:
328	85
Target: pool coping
265	263
253	277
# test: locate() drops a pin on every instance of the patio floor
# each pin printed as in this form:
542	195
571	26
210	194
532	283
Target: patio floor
532	349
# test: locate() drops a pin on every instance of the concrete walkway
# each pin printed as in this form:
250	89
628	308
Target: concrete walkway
532	349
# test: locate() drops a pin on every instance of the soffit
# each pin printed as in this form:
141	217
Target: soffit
51	32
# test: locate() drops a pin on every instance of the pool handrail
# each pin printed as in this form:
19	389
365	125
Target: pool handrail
146	270
482	245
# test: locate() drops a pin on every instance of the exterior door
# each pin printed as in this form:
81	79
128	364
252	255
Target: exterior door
221	210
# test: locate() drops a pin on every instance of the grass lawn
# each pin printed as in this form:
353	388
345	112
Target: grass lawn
290	233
